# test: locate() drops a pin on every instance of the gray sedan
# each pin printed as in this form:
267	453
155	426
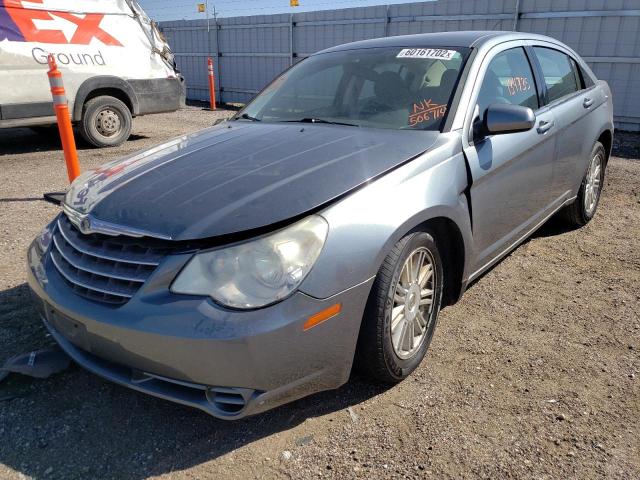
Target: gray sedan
327	223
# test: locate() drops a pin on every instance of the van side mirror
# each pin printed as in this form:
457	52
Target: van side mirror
502	118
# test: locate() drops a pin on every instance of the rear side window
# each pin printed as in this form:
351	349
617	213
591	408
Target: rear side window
587	81
559	71
509	79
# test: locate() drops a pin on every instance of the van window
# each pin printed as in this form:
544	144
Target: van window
509	79
559	71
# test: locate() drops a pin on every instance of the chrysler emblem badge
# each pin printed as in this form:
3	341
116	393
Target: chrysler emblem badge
88	224
85	225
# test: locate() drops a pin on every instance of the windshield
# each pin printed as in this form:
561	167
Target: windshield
397	88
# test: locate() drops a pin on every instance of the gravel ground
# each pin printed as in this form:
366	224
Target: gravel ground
534	374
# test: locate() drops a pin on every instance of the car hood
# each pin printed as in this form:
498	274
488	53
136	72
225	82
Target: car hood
239	176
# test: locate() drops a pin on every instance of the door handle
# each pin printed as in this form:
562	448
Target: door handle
587	102
544	126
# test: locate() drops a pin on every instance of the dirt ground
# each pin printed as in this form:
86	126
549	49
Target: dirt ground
535	373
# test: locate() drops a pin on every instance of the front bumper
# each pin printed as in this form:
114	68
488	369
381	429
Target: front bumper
189	350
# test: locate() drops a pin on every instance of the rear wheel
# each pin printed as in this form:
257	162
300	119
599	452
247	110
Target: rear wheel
106	122
402	310
582	210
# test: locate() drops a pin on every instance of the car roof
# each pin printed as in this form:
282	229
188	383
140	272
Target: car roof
439	39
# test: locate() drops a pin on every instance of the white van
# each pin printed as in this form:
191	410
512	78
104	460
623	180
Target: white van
114	62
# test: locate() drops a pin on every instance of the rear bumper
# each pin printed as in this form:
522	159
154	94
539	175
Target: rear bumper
157	95
192	351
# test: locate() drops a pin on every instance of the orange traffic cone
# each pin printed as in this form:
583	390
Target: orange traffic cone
64	120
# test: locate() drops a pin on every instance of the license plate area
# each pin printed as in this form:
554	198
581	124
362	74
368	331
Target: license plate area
72	330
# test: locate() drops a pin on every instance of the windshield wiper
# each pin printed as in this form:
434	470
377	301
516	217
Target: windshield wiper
319	120
246	116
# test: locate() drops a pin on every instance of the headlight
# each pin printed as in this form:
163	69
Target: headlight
258	272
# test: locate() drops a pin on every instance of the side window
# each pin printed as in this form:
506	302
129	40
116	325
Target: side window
587	81
509	79
559	71
576	73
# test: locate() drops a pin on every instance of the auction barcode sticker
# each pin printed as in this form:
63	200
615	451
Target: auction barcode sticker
434	53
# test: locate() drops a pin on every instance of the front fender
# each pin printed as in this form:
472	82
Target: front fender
364	226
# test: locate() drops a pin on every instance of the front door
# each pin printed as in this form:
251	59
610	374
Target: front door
512	174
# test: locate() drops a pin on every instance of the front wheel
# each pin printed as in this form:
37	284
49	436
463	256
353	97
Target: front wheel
106	122
582	210
402	310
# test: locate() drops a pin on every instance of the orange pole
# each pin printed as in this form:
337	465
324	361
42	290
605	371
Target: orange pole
212	85
64	120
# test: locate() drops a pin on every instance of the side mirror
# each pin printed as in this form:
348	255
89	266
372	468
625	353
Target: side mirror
505	118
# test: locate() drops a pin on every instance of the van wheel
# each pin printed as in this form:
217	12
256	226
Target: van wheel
106	122
402	310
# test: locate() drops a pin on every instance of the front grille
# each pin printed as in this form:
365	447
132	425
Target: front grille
101	267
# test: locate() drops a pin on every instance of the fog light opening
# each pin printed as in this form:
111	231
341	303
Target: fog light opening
229	401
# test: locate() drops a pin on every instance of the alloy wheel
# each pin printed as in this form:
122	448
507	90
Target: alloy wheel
413	303
592	186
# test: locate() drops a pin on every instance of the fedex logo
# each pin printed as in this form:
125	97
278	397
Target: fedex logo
21	24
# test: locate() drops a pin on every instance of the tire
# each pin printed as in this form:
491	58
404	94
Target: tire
380	354
106	122
582	210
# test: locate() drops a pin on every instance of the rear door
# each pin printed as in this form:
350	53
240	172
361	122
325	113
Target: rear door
571	102
511	173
